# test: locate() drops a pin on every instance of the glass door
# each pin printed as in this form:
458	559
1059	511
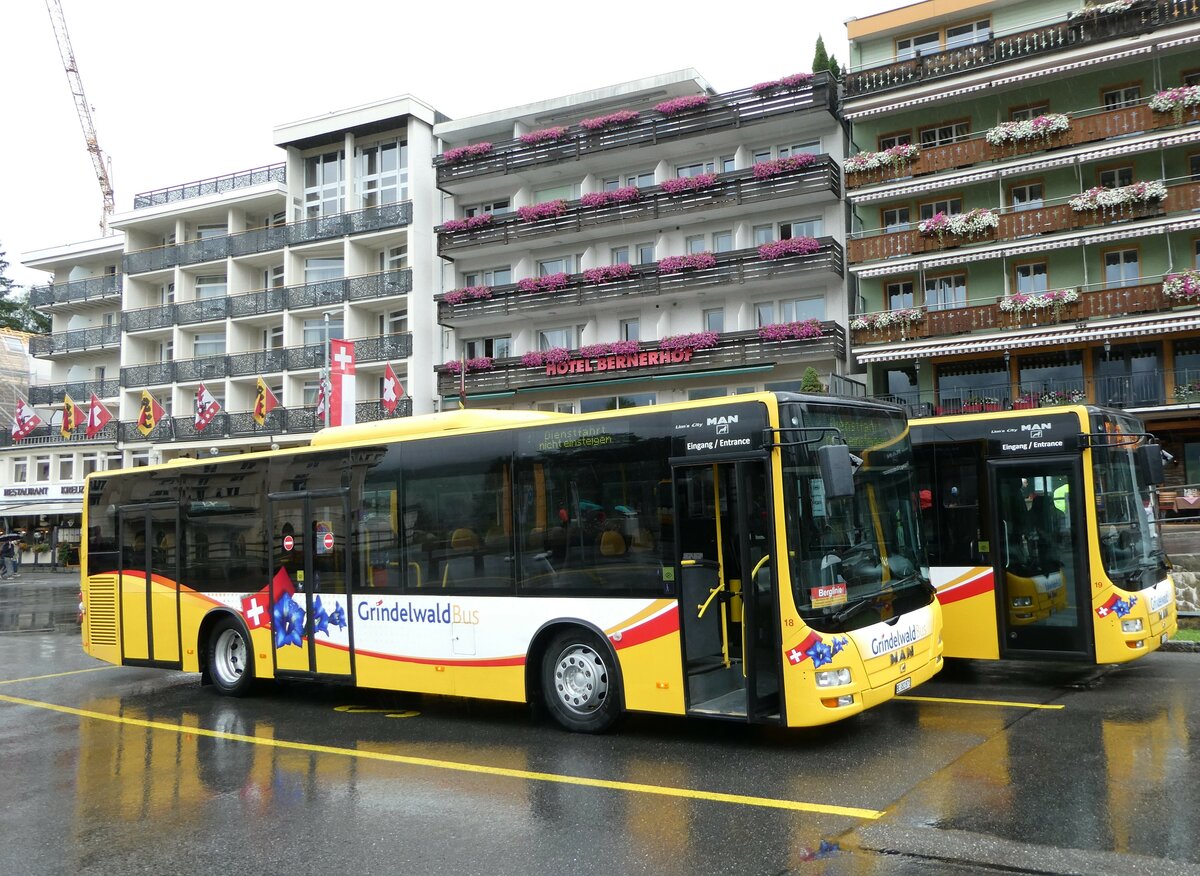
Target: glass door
310	568
727	602
1041	571
149	584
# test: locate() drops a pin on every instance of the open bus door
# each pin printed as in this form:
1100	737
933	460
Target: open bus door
1039	539
727	607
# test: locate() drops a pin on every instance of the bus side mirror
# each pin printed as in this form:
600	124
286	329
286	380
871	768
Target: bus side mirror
1150	464
837	472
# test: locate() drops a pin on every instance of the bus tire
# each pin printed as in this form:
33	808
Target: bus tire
579	681
231	658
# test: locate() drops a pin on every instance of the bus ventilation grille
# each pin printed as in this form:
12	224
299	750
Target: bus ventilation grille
102	609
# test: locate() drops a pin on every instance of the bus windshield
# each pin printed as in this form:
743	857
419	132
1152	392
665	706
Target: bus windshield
1129	537
856	560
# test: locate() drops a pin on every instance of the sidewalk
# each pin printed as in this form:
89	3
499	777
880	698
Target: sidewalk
44	576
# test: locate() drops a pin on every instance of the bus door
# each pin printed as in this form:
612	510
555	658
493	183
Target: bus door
310	614
1041	575
727	601
149	584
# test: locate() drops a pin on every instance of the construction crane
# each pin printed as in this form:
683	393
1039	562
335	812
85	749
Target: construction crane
100	161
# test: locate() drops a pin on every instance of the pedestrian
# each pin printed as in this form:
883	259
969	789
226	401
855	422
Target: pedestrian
8	560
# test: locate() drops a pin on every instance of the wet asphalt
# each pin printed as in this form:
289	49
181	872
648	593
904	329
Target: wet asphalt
147	772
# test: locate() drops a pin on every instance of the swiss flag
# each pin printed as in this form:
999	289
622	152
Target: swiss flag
256	611
1106	609
97	417
207	407
797	655
341	379
321	401
392	390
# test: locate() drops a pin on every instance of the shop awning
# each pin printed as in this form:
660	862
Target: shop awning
29	509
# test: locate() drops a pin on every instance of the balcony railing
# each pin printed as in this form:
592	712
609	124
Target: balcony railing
47	434
739	266
1008	48
1095	302
75	341
214	186
735	188
1089	127
1125	391
733	350
323	294
1016	224
77	290
269	238
81	392
377	348
241	424
732	109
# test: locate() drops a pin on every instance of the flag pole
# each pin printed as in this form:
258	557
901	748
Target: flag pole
325	371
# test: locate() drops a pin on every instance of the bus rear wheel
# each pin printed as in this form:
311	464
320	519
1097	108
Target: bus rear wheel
580	683
230	659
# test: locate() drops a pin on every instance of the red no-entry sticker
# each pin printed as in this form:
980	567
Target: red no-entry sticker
329	541
288	542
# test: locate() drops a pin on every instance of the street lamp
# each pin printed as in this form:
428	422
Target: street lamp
325	388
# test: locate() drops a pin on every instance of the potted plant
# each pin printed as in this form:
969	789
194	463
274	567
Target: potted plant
811	381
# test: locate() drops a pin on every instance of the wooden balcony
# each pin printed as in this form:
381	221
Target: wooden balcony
1017	224
1094	304
732	189
739	266
733	350
1009	48
1091	127
733	109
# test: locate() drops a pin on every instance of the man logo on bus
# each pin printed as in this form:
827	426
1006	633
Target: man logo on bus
722	421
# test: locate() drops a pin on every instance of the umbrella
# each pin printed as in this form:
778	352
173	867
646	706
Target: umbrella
12	536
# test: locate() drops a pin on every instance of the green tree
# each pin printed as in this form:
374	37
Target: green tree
811	381
15	312
822	60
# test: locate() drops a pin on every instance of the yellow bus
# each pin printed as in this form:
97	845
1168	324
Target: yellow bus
1040	527
754	558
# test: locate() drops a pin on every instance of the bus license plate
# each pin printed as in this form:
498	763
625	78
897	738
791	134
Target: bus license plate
902	686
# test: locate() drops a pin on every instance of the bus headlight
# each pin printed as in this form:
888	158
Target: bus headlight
1022	601
1131	626
833	677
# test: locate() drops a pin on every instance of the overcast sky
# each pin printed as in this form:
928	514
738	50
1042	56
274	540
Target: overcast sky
186	91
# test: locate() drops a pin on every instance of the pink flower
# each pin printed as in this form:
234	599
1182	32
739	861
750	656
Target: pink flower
689	183
483	363
677	105
556	354
533	359
694	341
548	283
545	135
804	330
608	273
622	195
674	264
791	246
624	348
620	117
468	224
475	150
544	210
454	366
794	81
765	169
478	293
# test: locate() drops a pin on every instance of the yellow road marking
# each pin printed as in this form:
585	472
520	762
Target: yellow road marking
632	787
56	674
363	710
1014	705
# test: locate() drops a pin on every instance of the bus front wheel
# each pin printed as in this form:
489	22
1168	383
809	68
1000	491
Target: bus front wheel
580	683
230	659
